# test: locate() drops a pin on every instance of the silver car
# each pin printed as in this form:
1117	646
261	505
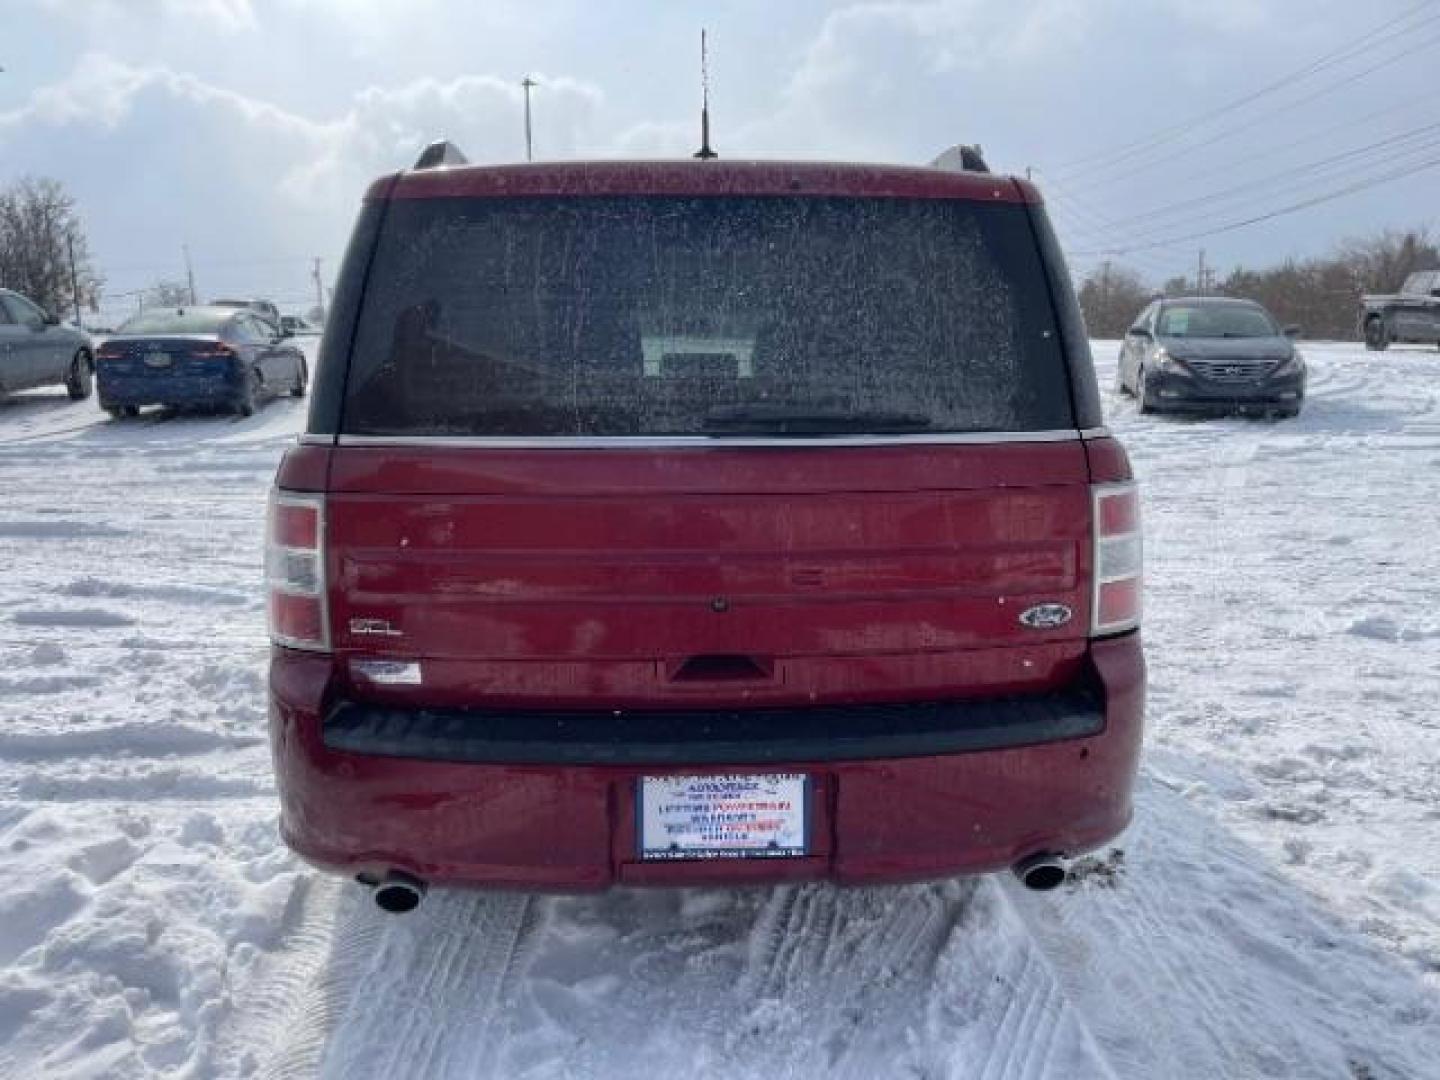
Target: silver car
36	350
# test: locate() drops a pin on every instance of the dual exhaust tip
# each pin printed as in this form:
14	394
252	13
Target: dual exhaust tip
399	893
1041	872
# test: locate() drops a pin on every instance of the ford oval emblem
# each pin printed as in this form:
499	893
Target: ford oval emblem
1046	616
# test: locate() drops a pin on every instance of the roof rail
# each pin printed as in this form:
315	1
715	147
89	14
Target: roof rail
962	158
438	153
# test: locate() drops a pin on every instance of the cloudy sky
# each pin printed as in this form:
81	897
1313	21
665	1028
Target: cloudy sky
247	129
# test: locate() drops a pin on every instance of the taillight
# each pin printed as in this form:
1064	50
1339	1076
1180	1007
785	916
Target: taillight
109	352
213	352
295	571
1115	605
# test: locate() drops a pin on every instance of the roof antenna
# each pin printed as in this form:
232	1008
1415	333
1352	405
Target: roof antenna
704	153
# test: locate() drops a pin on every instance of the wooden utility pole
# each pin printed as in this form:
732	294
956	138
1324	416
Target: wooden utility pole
189	274
319	291
74	280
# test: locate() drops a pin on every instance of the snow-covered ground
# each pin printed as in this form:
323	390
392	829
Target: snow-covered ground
1275	910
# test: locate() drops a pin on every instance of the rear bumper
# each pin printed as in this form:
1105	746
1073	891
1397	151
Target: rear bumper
194	390
900	793
1188	393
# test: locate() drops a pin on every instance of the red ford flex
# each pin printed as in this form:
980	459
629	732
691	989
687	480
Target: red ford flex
702	522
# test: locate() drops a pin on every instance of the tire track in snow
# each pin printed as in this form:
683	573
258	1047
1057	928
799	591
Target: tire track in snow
1229	969
265	996
936	980
315	992
412	997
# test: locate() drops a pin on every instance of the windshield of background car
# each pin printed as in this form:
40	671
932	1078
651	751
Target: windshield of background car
176	322
639	315
1215	321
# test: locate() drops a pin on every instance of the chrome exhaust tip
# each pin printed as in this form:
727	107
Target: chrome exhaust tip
399	893
1040	872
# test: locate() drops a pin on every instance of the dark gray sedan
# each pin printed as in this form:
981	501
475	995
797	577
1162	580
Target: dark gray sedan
1213	355
36	350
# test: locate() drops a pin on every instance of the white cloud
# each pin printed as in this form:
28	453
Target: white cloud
878	70
382	130
158	157
223	14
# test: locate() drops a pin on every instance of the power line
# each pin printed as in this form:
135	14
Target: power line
1392	109
1303	188
1308	169
1424	45
1129	234
1387	30
1348	189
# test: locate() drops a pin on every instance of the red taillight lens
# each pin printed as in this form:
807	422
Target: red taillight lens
213	352
1118	559
109	352
295	571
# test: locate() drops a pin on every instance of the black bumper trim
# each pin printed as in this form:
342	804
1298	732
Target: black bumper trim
713	737
1194	392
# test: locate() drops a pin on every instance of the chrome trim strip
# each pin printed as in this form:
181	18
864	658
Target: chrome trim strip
630	442
1095	433
308	439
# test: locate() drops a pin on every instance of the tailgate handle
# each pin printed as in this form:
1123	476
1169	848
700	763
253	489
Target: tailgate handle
723	667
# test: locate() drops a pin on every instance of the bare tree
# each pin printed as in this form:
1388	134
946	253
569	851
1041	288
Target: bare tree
174	294
1322	295
43	250
1381	263
1110	298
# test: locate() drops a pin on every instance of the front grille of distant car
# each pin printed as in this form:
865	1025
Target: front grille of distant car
1231	371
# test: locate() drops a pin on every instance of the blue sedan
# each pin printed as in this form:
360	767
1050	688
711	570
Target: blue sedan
204	357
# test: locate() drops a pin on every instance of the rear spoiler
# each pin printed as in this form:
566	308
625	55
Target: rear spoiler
962	158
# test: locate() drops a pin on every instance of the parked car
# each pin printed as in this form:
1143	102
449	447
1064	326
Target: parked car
202	356
36	350
700	522
1411	315
1214	355
295	326
265	308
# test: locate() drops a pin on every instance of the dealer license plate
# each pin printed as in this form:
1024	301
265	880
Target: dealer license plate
724	817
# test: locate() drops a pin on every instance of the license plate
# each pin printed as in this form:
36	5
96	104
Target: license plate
157	359
724	817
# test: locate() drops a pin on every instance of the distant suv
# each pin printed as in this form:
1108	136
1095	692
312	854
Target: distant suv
36	350
691	522
266	309
1212	354
1411	315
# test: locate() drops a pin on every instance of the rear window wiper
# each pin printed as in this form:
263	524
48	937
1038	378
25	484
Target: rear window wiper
792	420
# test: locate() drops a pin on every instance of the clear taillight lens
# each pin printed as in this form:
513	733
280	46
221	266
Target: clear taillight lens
1118	561
295	571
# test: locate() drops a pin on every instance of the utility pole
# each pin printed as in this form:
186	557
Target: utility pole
74	280
528	83
189	274
1200	274
319	291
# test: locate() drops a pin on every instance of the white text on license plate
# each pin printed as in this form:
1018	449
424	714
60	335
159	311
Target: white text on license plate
723	817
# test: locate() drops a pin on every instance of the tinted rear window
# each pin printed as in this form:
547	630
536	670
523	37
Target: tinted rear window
172	321
684	316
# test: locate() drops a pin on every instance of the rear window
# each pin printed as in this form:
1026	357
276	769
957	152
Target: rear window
636	316
173	321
